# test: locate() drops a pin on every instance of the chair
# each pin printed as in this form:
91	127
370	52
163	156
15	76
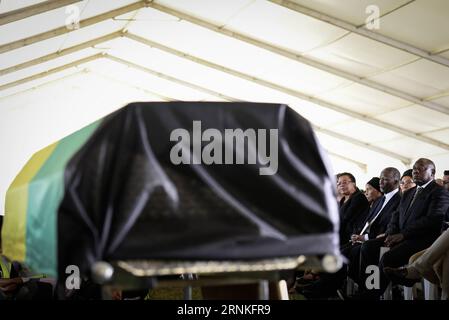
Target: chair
409	293
388	294
431	291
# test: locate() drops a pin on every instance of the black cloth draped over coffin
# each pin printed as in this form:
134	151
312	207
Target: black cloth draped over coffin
124	198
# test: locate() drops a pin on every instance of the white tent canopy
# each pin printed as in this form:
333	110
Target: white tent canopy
377	96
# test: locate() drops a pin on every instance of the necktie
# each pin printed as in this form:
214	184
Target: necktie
373	215
418	191
380	205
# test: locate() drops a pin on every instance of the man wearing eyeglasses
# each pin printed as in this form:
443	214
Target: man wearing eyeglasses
353	205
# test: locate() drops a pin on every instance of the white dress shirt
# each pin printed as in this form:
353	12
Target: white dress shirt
388	196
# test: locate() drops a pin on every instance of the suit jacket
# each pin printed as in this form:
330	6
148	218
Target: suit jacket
422	222
446	221
351	213
380	225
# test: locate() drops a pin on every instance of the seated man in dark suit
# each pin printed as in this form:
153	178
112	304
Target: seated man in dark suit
376	222
413	227
432	263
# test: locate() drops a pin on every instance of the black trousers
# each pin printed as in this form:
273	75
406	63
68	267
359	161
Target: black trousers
398	256
354	259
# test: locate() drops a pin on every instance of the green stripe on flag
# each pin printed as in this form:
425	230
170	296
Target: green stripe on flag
14	228
45	193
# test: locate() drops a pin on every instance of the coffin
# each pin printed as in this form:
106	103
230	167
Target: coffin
175	181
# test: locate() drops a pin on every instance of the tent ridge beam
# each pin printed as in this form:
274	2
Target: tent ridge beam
286	90
61	53
221	29
362	31
405	160
23	13
45	84
186	84
361	165
167	77
228	98
126	83
299	58
63	30
51	71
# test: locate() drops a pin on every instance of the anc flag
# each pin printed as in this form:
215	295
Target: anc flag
32	201
175	181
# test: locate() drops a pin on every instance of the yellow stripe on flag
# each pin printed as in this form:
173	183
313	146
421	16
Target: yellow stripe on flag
14	225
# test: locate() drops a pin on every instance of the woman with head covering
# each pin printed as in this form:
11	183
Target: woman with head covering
372	193
372	190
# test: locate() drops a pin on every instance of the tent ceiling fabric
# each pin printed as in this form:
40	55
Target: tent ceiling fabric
10	6
375	97
353	11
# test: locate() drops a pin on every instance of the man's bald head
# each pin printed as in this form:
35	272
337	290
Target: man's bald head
389	179
423	171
